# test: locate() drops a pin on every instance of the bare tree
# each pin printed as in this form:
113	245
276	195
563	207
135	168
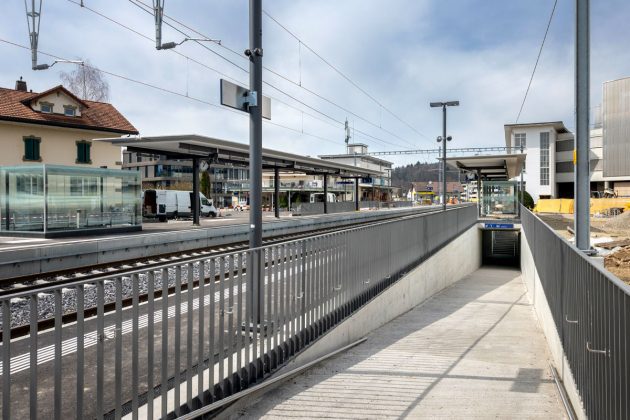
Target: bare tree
86	82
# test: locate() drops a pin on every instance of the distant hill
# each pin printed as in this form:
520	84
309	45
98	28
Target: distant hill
403	175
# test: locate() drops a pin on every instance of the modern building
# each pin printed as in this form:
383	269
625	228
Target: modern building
375	188
57	127
549	168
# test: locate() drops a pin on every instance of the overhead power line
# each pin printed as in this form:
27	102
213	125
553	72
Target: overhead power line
542	45
342	74
149	10
171	92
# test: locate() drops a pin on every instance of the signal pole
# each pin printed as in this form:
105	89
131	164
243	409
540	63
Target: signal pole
582	140
255	54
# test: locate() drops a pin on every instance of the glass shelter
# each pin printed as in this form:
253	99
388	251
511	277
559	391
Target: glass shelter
499	198
53	200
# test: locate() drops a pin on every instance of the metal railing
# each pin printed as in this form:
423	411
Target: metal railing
119	343
591	311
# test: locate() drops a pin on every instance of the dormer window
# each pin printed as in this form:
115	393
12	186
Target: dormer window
46	107
69	111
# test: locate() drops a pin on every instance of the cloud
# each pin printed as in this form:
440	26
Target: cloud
405	53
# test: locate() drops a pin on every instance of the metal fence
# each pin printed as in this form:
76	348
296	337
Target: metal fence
591	311
117	343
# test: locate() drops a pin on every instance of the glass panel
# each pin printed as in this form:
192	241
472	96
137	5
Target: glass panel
22	206
499	198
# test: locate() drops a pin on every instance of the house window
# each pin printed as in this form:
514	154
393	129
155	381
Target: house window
46	107
83	152
69	111
544	158
31	149
520	139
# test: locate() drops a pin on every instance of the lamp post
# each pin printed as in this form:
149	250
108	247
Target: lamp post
443	138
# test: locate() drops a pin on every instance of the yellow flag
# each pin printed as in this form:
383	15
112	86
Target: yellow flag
574	156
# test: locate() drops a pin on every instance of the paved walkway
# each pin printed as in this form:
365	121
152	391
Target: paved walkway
474	350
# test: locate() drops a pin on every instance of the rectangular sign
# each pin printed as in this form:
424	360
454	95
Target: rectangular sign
236	96
499	225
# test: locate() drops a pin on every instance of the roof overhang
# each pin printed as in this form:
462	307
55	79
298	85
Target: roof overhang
491	167
558	126
191	146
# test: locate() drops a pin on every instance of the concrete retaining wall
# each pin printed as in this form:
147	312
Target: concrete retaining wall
76	253
536	295
456	260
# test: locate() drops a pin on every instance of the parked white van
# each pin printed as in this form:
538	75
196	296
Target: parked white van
170	204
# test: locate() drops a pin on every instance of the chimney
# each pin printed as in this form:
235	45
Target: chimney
20	85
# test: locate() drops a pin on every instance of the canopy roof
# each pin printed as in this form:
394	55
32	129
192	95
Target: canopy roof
191	146
491	167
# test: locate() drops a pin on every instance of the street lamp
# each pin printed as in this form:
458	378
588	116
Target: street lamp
443	138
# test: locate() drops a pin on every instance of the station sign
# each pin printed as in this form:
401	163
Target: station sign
499	225
240	98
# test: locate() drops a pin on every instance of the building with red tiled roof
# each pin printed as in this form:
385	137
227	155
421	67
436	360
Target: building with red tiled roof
57	127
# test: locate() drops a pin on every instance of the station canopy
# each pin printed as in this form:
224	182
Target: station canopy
219	151
490	167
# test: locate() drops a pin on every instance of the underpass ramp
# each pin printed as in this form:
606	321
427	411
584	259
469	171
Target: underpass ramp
472	351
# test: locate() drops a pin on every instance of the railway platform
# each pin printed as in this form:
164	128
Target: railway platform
475	350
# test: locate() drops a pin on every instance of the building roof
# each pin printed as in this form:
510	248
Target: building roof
557	125
494	167
99	116
364	157
188	146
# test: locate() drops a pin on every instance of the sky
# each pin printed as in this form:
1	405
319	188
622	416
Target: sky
402	54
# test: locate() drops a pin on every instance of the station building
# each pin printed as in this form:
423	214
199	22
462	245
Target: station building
56	127
549	168
370	189
54	178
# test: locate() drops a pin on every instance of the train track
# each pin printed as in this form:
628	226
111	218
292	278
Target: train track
35	283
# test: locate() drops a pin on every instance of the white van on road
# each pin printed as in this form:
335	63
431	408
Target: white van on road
169	204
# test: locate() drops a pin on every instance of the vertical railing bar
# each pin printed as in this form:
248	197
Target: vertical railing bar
200	333
135	345
255	324
230	335
80	290
33	356
269	281
240	337
178	338
190	292
222	351
150	341
248	324
261	308
58	358
118	349
283	300
211	324
6	359
100	347
164	356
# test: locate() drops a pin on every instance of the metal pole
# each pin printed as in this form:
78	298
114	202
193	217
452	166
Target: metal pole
276	190
255	144
195	198
325	194
582	86
522	185
356	194
444	157
479	192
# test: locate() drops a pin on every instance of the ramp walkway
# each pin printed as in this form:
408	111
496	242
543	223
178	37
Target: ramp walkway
474	350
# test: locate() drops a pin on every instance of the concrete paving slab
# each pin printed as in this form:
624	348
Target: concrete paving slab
473	351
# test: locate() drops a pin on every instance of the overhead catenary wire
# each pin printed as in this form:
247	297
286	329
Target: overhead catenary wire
171	92
147	8
342	74
540	50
